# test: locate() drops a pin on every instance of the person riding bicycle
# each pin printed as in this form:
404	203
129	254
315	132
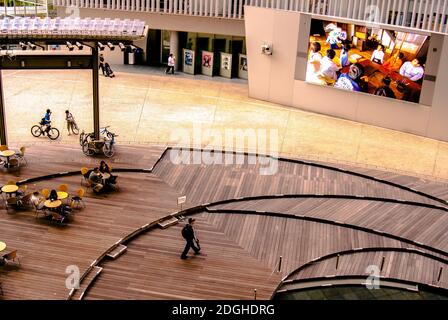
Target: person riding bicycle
46	120
70	121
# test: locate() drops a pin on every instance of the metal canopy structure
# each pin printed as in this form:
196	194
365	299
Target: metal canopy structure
43	32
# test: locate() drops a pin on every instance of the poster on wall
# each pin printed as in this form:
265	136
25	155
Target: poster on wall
188	66
376	61
207	63
242	66
226	65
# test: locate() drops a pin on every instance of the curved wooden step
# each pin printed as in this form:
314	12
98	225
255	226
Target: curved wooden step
89	278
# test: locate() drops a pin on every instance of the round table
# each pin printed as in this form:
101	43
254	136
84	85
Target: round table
62	195
2	246
10	188
52	204
7	154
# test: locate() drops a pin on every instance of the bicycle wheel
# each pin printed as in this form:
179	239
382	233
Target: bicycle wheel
86	150
108	150
53	134
36	131
75	129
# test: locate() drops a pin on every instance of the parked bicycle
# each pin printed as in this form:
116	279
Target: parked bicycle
88	137
40	130
105	146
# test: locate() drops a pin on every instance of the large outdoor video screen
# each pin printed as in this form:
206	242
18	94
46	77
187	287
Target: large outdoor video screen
364	59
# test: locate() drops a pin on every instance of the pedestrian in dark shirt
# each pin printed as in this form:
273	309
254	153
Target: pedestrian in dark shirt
101	65
190	238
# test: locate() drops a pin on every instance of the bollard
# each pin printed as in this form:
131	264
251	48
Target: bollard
440	274
382	263
280	264
337	262
255	294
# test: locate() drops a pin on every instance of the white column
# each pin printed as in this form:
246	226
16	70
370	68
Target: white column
174	46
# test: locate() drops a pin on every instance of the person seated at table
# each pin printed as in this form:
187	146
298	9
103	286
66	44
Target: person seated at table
350	81
53	195
95	179
385	90
37	200
104	168
412	70
378	55
394	63
344	56
65	210
328	69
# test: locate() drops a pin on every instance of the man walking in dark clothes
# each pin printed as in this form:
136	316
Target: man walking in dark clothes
101	65
190	238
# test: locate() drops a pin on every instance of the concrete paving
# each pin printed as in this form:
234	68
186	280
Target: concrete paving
145	106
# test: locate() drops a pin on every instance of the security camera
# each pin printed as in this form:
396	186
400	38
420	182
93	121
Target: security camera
266	49
111	46
70	46
32	46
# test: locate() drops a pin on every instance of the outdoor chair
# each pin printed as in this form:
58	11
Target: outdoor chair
45	193
21	155
11	257
63	187
77	200
56	217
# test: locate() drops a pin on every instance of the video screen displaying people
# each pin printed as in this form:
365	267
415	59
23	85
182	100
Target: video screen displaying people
358	58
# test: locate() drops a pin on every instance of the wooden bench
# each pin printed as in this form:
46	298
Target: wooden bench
168	222
117	251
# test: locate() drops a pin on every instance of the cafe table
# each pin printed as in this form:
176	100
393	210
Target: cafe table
2	246
62	195
7	154
10	188
52	204
105	176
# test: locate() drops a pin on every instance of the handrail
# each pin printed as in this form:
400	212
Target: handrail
354	251
394	13
387	282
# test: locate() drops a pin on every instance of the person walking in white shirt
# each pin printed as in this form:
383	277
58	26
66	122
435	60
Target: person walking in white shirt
171	63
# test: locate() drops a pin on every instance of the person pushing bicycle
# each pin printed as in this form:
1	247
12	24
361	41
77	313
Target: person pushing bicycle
71	124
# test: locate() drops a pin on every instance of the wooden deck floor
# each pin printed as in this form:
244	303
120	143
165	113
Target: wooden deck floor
241	250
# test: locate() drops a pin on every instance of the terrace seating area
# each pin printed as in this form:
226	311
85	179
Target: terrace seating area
12	159
259	234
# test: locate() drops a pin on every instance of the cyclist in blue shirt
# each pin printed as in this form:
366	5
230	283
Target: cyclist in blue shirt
46	120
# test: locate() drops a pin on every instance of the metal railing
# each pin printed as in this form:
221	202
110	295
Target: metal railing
429	15
13	8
